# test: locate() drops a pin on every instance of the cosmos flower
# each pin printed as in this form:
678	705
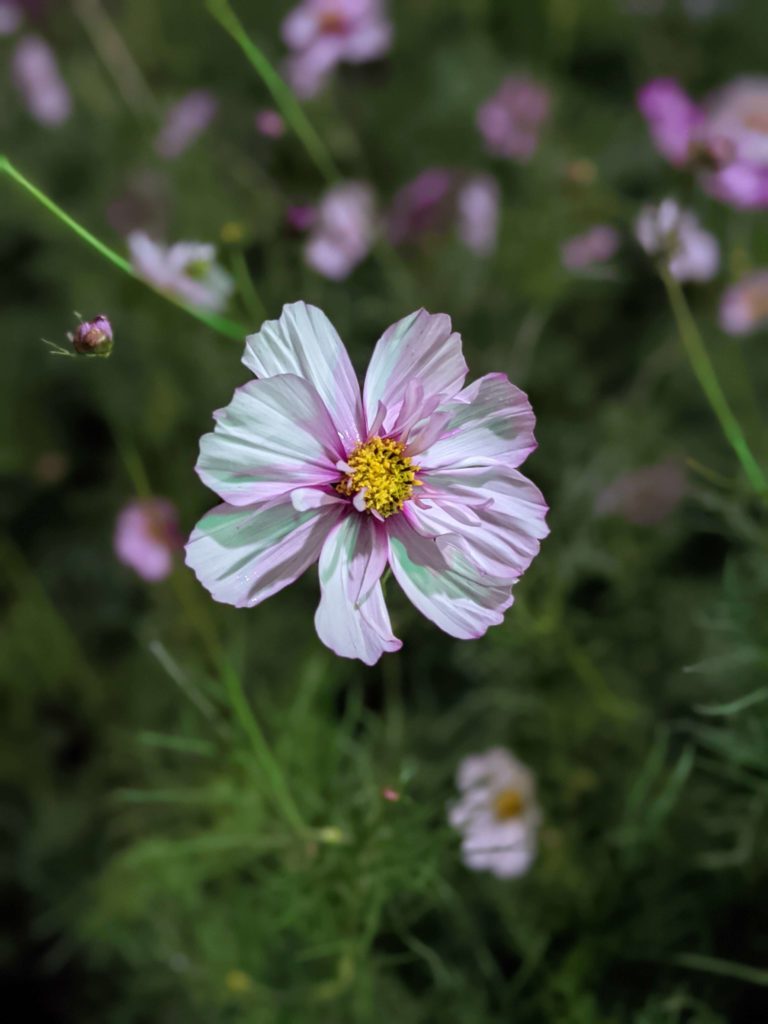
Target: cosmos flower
38	79
477	211
342	231
511	120
419	473
93	337
269	124
645	496
725	137
597	244
497	813
323	33
744	305
186	270
675	235
185	122
147	537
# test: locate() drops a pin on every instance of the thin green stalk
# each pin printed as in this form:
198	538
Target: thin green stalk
284	99
246	289
707	377
221	324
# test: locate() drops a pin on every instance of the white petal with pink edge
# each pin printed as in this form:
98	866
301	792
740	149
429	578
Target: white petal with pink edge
243	555
421	347
273	436
489	421
304	342
444	585
352	618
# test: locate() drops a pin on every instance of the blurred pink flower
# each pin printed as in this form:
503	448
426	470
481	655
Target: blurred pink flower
147	536
418	472
343	231
497	813
422	206
270	124
597	244
646	496
93	337
744	305
510	121
323	33
185	122
37	77
10	17
477	209
676	236
672	116
186	270
300	217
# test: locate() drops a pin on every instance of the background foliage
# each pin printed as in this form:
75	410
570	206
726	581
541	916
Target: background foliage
165	864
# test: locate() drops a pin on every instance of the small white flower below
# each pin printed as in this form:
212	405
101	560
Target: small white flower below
674	234
497	813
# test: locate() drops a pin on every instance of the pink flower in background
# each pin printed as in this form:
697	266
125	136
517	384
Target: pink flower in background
186	270
422	206
477	209
343	230
672	116
10	17
596	245
323	33
511	120
726	137
269	124
418	472
676	236
147	536
185	122
37	77
497	813
646	496
744	305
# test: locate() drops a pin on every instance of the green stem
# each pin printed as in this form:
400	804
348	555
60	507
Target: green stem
246	288
221	324
284	99
707	377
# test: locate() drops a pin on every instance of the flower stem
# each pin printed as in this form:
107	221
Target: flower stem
707	377
284	98
222	325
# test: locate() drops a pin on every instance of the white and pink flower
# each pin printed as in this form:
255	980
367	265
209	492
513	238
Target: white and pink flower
418	472
324	33
597	244
186	270
675	235
342	230
497	813
744	305
512	119
37	76
184	123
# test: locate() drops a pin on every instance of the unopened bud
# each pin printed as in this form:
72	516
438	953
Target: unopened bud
93	337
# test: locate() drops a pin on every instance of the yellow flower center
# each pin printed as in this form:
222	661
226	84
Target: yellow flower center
508	804
384	471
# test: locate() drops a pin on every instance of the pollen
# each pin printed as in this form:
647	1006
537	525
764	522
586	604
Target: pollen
508	804
381	469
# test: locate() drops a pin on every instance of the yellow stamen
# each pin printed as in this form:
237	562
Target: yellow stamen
508	804
388	475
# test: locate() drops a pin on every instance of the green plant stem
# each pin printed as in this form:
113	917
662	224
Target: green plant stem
246	288
220	324
284	99
707	377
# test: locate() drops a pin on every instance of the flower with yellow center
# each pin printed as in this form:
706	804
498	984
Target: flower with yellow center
382	474
508	804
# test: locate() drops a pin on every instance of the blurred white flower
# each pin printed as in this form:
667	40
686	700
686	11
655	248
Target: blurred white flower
37	77
675	234
497	813
342	233
744	305
185	122
186	270
477	210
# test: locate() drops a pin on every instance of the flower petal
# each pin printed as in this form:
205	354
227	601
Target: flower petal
243	555
490	420
494	514
444	585
304	341
352	618
274	435
420	347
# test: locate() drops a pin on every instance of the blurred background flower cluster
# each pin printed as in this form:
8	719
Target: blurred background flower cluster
205	815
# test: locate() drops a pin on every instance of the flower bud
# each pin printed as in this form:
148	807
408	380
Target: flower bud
93	337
